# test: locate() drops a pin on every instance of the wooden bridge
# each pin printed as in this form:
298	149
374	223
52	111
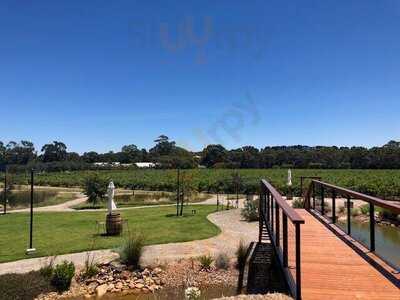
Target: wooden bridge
318	259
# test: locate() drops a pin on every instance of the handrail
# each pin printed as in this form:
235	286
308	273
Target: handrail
270	206
289	211
349	194
370	199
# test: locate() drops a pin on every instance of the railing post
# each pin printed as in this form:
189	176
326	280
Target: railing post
285	240
268	217
298	263
333	206
277	231
322	200
260	213
313	193
372	227
348	216
272	216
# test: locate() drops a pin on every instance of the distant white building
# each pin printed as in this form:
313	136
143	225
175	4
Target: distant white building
101	164
126	165
141	165
145	165
110	164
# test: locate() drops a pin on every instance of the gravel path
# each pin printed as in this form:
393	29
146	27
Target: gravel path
233	229
68	206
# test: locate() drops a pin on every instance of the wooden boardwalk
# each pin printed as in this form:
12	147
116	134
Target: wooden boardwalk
330	269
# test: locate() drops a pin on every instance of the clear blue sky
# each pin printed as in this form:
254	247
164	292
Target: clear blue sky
100	74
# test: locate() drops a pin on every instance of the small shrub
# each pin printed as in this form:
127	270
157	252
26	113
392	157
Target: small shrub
90	269
250	211
48	269
206	262
222	261
132	249
364	209
342	209
387	214
62	276
298	203
241	255
192	293
24	286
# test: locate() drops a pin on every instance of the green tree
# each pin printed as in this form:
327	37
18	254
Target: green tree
131	154
214	154
19	153
57	151
90	157
163	146
95	188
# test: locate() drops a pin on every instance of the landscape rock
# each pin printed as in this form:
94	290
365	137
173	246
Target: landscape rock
101	290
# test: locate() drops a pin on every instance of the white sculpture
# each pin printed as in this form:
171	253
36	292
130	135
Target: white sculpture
110	192
289	180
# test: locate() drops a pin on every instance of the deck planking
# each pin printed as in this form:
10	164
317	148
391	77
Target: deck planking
330	269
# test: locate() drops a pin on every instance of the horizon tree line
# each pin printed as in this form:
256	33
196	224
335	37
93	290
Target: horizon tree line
55	156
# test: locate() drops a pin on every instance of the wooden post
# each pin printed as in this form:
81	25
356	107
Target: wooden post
285	240
260	214
322	200
272	215
277	233
348	216
268	217
333	206
313	192
372	227
298	262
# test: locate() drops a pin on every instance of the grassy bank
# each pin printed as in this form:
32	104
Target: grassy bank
60	233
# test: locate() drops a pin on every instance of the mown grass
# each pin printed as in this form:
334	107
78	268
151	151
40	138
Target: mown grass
68	232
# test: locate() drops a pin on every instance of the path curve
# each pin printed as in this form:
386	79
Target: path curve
68	205
233	229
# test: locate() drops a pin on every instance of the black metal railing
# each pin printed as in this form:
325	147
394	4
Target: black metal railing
319	193
274	215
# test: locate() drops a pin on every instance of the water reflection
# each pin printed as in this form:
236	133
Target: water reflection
175	294
387	239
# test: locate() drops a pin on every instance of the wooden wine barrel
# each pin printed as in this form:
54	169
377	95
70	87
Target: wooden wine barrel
114	224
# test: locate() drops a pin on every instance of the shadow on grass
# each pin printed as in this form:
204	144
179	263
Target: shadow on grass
184	215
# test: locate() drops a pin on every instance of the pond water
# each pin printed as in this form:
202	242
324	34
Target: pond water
175	294
387	239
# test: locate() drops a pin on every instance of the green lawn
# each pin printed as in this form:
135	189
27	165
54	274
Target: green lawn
67	232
